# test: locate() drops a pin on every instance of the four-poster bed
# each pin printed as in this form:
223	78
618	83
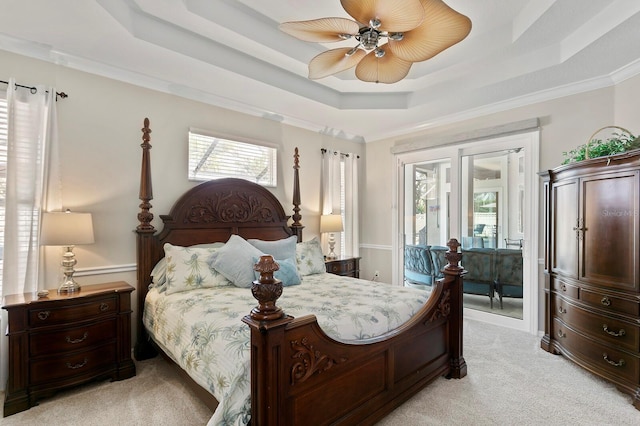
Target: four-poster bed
300	373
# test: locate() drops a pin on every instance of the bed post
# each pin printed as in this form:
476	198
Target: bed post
145	231
453	277
296	226
267	323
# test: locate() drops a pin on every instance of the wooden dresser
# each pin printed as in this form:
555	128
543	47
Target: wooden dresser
345	266
65	340
592	267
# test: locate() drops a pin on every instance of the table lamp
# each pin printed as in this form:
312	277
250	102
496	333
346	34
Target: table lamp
330	223
67	229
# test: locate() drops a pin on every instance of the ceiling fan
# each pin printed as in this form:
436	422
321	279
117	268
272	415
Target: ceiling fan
414	30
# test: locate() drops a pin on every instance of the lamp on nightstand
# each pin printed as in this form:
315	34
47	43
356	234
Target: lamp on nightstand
67	229
330	223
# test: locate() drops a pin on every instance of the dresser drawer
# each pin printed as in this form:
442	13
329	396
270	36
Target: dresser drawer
72	339
72	365
610	362
81	311
566	289
618	333
610	303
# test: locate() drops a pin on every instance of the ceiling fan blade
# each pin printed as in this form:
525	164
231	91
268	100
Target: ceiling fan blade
394	15
442	28
334	61
321	30
387	69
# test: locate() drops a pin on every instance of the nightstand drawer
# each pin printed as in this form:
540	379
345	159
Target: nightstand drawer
345	266
68	366
64	315
341	267
72	339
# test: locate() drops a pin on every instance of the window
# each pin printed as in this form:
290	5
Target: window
211	157
3	174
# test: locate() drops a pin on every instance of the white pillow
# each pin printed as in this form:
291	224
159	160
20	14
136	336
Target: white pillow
235	261
159	272
309	257
279	249
189	268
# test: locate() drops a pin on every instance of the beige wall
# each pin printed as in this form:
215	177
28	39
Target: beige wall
100	137
565	123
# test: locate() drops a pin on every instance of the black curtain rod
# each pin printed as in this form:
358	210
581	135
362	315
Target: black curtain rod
34	90
324	150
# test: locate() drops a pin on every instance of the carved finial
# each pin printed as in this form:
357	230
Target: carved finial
453	256
266	290
146	192
146	131
266	266
296	193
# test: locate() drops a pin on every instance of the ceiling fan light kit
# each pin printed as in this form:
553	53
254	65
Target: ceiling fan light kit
414	31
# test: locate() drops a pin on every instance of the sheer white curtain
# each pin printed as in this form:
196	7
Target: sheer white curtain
32	185
351	210
331	187
340	196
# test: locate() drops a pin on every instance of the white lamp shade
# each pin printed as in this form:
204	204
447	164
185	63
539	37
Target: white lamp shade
331	223
66	229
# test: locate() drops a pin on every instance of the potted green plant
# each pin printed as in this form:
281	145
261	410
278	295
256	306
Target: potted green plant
620	140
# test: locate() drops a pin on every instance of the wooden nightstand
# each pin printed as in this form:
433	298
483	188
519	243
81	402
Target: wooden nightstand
346	266
65	340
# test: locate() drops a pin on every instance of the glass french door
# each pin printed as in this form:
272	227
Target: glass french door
482	194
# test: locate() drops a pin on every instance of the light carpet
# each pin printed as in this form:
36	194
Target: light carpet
510	381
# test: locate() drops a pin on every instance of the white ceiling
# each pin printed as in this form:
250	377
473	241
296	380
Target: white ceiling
231	53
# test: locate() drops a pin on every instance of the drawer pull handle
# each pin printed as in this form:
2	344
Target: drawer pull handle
606	301
76	366
84	337
562	310
43	315
104	307
561	334
563	287
613	333
615	364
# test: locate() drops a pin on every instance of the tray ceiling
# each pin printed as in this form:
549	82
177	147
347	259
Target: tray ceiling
230	53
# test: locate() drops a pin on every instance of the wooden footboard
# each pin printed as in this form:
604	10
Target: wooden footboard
299	375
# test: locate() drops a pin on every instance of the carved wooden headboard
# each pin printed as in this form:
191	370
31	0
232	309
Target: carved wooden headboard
209	212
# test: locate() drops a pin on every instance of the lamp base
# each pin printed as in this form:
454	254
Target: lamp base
68	286
332	254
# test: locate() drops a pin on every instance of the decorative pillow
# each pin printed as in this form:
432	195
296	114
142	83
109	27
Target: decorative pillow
159	271
187	268
309	257
235	261
159	275
279	249
288	272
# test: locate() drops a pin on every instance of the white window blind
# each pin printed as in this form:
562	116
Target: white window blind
3	175
211	157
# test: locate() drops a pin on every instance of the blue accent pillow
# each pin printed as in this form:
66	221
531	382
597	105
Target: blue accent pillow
279	249
235	261
288	272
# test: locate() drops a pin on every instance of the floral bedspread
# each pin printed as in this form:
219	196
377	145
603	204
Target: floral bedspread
203	332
